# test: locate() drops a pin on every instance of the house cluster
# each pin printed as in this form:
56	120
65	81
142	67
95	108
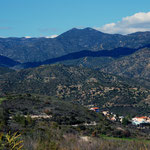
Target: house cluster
144	120
109	115
140	120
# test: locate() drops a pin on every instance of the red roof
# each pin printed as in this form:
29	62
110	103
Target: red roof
95	108
143	117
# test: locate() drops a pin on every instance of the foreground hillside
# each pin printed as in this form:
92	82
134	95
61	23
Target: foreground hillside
79	85
39	107
50	123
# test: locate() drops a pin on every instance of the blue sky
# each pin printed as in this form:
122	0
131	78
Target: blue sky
52	17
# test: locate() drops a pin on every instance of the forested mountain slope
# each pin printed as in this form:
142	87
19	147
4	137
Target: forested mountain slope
76	84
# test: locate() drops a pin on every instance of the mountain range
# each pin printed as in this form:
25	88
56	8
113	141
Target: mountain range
115	53
74	40
87	67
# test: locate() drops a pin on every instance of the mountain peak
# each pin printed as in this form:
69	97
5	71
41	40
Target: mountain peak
78	32
82	29
89	28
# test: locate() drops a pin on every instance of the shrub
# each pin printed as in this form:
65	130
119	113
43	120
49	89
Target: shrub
11	141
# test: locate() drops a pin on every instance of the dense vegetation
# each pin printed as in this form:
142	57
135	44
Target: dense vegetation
16	106
78	85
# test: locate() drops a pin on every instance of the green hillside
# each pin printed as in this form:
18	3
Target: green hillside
78	85
52	108
51	123
135	66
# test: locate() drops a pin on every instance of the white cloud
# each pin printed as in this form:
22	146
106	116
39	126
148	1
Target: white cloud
138	22
27	37
52	36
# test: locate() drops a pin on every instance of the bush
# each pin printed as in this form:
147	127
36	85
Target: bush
125	121
24	121
121	133
11	141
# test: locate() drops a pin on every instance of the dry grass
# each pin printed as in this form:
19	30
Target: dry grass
54	140
72	142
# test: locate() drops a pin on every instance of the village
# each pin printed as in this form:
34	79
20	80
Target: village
137	121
